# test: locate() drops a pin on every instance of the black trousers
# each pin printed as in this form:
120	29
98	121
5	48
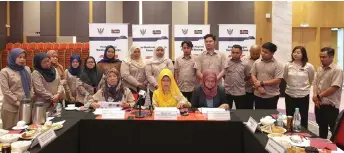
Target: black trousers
151	96
249	100
301	103
239	101
325	117
266	103
187	95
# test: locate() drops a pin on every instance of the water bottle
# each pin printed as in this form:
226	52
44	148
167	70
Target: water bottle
297	121
280	120
58	109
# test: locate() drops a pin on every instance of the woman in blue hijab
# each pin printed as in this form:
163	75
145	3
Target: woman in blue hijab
15	85
71	76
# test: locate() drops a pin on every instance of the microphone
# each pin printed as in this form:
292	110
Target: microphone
140	102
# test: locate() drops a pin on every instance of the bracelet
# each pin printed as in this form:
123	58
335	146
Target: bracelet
261	84
318	96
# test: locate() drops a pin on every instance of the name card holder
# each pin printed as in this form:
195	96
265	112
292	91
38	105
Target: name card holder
165	115
45	138
109	105
113	114
252	124
274	147
219	115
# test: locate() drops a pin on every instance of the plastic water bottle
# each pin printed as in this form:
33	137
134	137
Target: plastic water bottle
59	109
280	120
297	121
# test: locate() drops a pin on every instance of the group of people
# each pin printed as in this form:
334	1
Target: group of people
210	79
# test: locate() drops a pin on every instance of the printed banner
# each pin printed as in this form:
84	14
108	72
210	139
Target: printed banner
193	33
237	34
147	36
104	34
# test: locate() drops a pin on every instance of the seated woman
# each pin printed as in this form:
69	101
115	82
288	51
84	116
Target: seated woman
209	94
168	93
113	91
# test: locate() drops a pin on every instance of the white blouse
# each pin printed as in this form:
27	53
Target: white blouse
299	79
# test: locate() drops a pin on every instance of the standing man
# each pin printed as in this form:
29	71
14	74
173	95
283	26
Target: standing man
185	73
327	89
211	59
266	75
235	79
254	55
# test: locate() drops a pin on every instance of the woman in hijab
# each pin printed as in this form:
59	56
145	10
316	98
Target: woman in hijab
113	91
46	82
109	61
168	93
133	70
89	81
209	94
154	67
71	75
15	85
52	54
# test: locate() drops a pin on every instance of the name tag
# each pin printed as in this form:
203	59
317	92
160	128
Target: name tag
165	115
273	147
46	137
109	104
113	114
219	116
252	124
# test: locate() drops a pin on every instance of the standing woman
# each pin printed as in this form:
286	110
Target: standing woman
133	70
71	76
109	61
153	68
15	85
90	78
299	75
46	82
60	69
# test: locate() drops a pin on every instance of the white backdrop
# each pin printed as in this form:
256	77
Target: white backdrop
104	34
147	36
192	32
236	34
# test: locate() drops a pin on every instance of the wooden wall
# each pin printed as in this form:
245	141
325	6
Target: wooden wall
321	17
263	25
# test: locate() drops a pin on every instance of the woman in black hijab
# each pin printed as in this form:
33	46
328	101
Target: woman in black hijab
46	81
89	80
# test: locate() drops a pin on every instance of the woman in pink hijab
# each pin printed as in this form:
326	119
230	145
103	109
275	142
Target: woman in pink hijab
209	94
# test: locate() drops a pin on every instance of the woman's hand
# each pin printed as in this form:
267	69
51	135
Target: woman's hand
95	105
125	105
55	98
141	86
224	106
261	90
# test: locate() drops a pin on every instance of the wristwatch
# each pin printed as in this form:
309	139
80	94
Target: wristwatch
261	84
318	96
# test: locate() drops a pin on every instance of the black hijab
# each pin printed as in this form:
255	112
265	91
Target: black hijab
48	74
75	71
109	60
91	76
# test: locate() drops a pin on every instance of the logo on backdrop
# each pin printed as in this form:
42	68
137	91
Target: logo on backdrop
243	31
198	32
156	32
229	31
185	31
143	31
100	30
115	31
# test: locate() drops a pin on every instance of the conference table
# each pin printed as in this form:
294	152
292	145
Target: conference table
84	133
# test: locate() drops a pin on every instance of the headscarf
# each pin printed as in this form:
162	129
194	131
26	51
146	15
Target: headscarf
209	92
116	92
48	74
156	59
91	76
109	60
57	65
138	63
75	71
25	76
169	99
